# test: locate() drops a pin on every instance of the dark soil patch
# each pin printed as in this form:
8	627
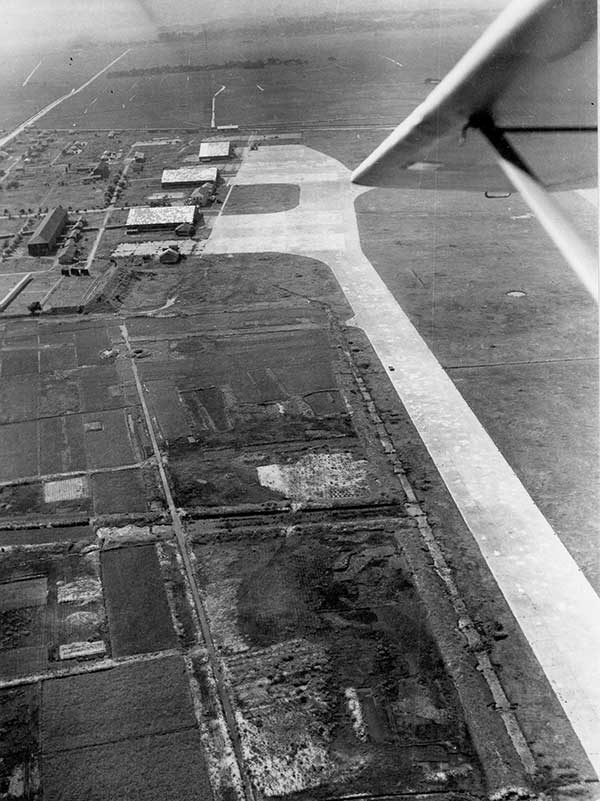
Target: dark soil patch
127	701
339	654
136	603
219	479
19	727
119	491
38	536
169	765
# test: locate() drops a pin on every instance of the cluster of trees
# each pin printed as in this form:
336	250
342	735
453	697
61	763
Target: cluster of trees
115	188
162	69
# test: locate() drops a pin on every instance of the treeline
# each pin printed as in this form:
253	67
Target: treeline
390	17
163	69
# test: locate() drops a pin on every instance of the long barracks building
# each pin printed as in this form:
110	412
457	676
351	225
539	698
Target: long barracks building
45	235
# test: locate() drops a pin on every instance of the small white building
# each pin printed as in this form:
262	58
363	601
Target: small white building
214	150
189	176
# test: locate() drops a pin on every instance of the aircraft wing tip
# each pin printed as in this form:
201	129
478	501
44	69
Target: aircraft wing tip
360	176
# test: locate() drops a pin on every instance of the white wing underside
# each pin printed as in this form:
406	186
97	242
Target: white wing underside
527	87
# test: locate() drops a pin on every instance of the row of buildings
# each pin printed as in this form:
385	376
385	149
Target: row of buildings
182	218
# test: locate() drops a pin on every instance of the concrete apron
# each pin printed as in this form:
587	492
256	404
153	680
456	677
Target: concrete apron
552	601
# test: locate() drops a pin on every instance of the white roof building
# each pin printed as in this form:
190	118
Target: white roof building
189	175
214	150
160	217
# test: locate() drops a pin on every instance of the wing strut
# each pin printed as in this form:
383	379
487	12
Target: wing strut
578	254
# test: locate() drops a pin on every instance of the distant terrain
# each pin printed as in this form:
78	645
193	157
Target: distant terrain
350	69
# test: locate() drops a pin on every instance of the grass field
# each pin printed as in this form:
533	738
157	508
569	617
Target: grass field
347	75
262	198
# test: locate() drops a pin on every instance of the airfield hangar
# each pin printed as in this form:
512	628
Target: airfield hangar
46	234
212	151
153	218
189	176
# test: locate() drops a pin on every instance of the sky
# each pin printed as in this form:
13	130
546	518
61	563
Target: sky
37	25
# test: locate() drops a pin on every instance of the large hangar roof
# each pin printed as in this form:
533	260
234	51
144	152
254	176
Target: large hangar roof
214	150
161	215
189	175
50	226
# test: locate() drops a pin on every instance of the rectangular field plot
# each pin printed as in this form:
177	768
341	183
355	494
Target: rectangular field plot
19	362
62	444
243	391
60	357
119	491
39	536
89	344
19	398
168	408
256	412
57	603
169	765
107	439
138	612
128	701
19	722
18	450
66	489
23	619
338	685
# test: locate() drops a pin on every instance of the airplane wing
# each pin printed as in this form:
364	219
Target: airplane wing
527	87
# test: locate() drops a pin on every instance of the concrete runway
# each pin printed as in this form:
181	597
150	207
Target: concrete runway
551	599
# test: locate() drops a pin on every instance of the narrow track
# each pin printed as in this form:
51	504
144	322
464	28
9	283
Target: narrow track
213	656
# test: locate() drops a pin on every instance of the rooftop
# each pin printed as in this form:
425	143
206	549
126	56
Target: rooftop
161	215
189	175
214	150
50	226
